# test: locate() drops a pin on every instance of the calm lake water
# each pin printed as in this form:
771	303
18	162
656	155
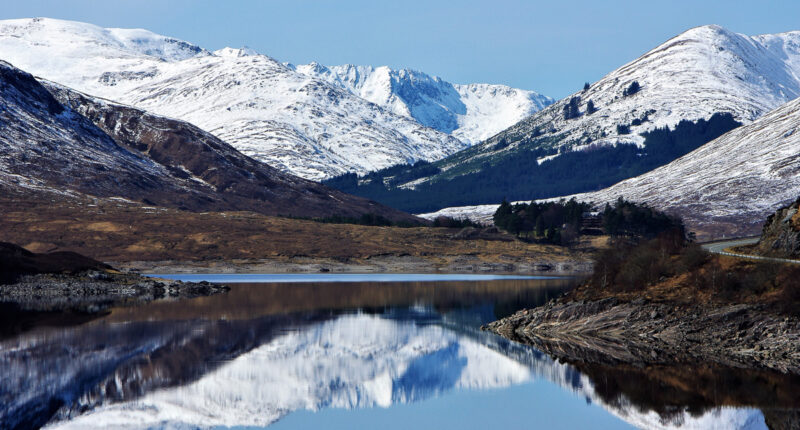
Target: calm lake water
338	352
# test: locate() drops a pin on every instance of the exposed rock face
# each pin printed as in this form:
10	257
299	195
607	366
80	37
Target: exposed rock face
612	332
781	234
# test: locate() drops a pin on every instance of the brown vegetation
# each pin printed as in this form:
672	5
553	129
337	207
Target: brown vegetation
118	231
666	269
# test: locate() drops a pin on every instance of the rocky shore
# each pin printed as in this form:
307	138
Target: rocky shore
60	281
95	291
642	333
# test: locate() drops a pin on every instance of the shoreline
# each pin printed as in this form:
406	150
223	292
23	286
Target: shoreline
643	333
95	291
380	264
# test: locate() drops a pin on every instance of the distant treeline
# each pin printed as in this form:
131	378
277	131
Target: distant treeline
381	221
521	177
562	222
368	219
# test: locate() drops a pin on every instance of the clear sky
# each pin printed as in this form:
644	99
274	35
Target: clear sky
551	46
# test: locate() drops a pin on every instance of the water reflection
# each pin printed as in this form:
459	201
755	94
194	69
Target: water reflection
261	352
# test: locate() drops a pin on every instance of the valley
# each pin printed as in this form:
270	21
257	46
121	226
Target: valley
704	72
199	238
725	188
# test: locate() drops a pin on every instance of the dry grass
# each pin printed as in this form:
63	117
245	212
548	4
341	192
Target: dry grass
112	231
755	283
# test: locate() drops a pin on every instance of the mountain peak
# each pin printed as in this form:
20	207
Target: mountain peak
469	112
708	33
311	120
227	51
76	39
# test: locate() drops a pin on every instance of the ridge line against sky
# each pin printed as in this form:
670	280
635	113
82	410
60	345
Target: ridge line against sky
549	47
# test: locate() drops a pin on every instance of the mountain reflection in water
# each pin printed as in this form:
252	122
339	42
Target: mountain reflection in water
264	351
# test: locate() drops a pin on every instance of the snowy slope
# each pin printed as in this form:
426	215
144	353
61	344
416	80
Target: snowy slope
57	141
471	112
739	178
703	71
728	186
700	72
294	122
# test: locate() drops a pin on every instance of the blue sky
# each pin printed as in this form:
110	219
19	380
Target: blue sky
549	46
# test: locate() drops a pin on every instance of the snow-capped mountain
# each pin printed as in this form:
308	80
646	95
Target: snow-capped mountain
352	362
471	112
55	140
693	76
294	122
702	71
733	182
726	187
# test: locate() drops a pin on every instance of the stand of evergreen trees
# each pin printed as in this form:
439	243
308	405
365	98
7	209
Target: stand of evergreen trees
590	108
560	222
550	222
521	177
634	220
632	89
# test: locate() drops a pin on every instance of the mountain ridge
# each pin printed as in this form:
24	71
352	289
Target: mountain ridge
469	112
295	122
704	72
69	145
726	187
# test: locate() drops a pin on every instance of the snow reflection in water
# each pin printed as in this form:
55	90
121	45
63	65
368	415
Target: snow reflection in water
203	364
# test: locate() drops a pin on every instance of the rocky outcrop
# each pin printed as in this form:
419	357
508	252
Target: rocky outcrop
610	331
93	292
16	261
780	236
70	281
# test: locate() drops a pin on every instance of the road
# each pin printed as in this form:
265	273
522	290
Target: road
720	247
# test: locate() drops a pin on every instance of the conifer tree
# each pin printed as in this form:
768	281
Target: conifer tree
590	109
632	89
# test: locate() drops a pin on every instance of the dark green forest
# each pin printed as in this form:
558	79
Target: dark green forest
562	222
521	177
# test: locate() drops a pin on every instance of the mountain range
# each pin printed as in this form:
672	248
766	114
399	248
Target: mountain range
726	187
61	144
695	108
471	113
300	123
671	100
